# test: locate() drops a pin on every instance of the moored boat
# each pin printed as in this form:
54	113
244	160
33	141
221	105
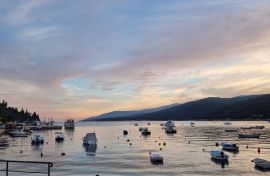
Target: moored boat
59	136
37	139
69	124
249	135
219	156
145	132
18	133
230	147
261	164
156	158
90	139
231	130
192	124
170	127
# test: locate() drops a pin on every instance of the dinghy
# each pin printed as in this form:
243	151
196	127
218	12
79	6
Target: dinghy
261	164
156	158
37	139
219	156
249	135
229	147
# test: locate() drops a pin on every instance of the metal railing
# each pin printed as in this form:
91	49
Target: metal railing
7	170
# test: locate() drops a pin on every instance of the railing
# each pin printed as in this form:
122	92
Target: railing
7	170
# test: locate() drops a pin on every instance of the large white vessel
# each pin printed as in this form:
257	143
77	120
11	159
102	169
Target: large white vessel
90	139
69	124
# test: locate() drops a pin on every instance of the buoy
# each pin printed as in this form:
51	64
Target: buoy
189	142
46	142
105	147
160	149
130	144
41	154
247	146
217	144
164	143
118	137
128	140
159	143
149	153
125	132
70	138
21	151
203	150
155	141
63	153
259	150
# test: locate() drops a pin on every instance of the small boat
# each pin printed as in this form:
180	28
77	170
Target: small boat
37	139
192	124
227	122
249	135
229	147
246	128
169	123
170	130
18	133
59	136
145	131
219	156
69	124
260	127
148	123
231	130
261	164
90	139
156	158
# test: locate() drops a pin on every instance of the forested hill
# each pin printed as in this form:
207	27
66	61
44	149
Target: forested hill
9	114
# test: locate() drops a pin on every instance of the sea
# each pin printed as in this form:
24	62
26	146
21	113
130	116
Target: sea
185	153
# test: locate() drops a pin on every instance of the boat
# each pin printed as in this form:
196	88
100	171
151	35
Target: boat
156	158
59	136
227	122
219	156
170	130
170	127
229	147
231	130
90	139
148	123
258	127
192	124
261	164
37	139
169	123
69	124
125	132
249	135
18	133
145	131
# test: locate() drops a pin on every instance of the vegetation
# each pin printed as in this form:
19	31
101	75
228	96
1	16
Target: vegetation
10	114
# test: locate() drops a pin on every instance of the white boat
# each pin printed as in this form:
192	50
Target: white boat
229	147
37	139
192	124
249	135
170	127
69	124
18	133
90	139
219	155
59	136
145	131
156	158
227	122
262	164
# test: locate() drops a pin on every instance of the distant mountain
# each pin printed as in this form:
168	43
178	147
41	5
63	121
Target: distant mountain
213	108
124	114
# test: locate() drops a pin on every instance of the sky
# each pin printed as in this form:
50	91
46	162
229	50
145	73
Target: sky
64	58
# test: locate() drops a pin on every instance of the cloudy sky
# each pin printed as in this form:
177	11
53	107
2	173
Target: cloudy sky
82	58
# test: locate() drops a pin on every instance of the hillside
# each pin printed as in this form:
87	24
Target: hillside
212	108
13	114
124	114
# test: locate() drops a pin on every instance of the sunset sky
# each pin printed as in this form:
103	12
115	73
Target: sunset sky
83	58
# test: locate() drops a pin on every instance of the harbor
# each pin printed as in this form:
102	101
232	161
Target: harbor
119	154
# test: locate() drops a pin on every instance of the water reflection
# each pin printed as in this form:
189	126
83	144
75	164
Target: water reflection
90	150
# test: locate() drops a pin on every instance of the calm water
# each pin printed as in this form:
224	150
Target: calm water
121	158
